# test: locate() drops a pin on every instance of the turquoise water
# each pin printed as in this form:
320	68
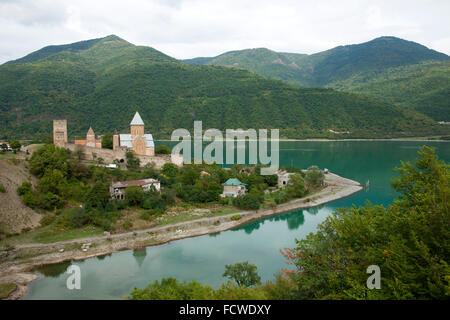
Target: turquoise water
203	258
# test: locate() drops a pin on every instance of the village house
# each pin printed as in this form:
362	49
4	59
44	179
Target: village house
117	189
233	188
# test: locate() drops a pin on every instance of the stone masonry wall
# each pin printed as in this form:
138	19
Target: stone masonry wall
108	155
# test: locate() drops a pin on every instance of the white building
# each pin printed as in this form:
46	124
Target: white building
283	178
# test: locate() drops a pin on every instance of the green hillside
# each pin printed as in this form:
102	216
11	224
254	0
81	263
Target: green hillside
385	64
105	83
276	65
424	87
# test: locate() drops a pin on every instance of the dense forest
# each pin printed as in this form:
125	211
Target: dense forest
104	82
387	68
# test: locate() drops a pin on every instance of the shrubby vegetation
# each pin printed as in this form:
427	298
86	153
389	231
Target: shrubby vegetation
409	241
162	149
79	195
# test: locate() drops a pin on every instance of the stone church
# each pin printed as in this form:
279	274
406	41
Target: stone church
90	140
139	142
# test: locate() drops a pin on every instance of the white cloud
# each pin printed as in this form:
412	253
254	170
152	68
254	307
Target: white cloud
189	28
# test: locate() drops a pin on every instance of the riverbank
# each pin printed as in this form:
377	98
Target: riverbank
17	264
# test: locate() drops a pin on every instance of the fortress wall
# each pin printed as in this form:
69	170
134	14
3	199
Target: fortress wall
160	160
109	155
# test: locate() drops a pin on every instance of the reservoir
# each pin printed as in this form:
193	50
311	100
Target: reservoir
204	258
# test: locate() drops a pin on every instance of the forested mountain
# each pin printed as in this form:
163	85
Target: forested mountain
424	87
395	62
102	83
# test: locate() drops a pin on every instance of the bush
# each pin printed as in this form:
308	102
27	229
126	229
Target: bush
162	149
120	204
132	161
48	157
73	218
236	217
247	202
127	225
314	177
47	220
134	195
99	196
296	186
2	188
24	188
148	214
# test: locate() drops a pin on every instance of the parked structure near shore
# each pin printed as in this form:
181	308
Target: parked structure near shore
117	189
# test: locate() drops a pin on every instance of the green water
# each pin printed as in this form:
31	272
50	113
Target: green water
203	258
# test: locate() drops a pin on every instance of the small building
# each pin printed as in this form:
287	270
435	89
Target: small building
8	147
283	178
233	188
90	140
117	189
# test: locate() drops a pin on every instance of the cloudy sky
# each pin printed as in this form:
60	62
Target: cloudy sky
191	28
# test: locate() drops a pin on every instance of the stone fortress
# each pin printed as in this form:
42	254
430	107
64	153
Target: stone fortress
140	143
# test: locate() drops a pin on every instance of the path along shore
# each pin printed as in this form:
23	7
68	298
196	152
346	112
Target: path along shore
17	265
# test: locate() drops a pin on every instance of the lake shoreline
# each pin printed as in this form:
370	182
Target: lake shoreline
21	271
412	139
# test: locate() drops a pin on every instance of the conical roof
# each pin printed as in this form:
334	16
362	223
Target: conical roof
90	131
137	120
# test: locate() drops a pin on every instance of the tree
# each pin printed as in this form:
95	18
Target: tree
15	145
189	175
132	161
4	147
52	181
162	149
243	273
296	186
214	190
409	241
314	177
107	141
170	170
134	195
25	188
99	196
247	202
48	157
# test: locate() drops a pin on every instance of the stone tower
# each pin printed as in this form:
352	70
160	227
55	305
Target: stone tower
90	138
116	143
137	125
59	132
